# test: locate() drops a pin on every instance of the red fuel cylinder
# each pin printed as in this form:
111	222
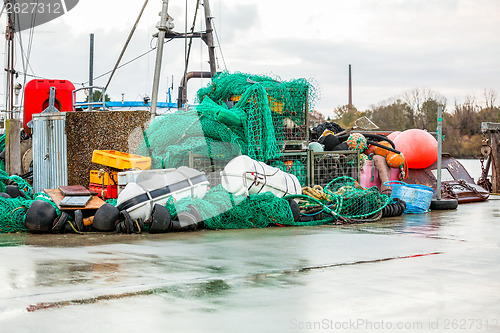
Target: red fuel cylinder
36	98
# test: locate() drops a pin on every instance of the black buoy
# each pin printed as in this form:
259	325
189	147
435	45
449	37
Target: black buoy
106	217
329	141
127	225
161	220
79	220
187	221
40	217
14	191
294	206
59	224
341	146
5	195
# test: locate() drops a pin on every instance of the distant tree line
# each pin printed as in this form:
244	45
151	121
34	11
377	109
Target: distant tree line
417	108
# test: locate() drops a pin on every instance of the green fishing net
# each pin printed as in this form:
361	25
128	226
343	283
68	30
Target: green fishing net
353	200
13	210
223	210
12	213
261	112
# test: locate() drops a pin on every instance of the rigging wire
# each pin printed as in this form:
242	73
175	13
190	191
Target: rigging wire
128	62
218	43
28	52
125	46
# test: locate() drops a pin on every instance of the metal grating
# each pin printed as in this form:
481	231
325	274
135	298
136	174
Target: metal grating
210	166
291	118
326	166
296	163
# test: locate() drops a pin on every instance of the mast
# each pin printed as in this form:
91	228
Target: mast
209	37
162	28
91	72
9	80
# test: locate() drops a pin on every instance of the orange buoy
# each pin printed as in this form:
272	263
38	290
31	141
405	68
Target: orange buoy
357	141
418	147
381	151
394	160
370	150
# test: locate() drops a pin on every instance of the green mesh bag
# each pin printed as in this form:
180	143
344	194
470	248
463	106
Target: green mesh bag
355	201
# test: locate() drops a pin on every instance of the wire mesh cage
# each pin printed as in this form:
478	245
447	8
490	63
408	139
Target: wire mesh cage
210	166
290	115
296	163
326	166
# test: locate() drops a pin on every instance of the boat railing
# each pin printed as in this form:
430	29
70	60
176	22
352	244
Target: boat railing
90	104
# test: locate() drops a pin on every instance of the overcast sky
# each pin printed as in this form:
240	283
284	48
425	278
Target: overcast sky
450	46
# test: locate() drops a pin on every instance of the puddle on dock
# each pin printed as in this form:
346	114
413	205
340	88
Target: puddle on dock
414	268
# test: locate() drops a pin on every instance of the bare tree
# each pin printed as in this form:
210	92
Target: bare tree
490	97
415	99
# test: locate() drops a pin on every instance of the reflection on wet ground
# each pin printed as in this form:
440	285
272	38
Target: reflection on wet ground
418	269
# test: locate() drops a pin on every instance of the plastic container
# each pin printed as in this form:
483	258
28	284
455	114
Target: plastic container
137	176
105	179
138	199
122	161
243	175
369	175
275	105
417	197
36	98
104	192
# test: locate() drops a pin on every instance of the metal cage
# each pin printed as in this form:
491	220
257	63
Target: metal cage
210	166
295	163
326	166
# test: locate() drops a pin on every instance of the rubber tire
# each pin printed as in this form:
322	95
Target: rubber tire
444	204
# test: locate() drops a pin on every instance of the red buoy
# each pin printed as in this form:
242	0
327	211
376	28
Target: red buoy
393	135
418	147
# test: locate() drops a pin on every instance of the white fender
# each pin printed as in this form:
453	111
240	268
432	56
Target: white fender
139	198
243	175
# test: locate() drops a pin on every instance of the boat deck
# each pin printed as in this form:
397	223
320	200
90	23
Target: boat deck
428	272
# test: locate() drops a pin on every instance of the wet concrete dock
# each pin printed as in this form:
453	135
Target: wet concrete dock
433	272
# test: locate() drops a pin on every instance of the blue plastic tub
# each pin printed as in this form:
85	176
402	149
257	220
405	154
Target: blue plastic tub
417	197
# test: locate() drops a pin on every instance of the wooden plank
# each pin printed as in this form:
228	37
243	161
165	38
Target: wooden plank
57	196
13	147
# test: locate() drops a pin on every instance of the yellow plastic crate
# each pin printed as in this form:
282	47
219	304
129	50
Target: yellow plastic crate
274	105
107	178
121	161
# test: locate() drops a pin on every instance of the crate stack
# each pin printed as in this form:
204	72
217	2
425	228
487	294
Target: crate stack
104	181
293	120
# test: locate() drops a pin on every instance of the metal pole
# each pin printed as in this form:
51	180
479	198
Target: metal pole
91	71
159	54
440	149
210	38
